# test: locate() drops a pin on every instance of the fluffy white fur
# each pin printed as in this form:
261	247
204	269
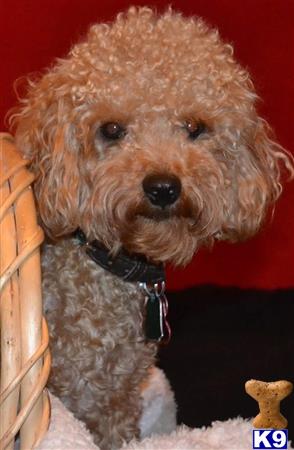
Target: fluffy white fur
233	434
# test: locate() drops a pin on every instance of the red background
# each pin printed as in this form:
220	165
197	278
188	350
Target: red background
33	33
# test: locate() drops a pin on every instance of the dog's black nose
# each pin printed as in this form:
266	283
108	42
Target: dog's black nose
162	190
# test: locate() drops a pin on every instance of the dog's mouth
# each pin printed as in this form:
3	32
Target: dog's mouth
157	215
182	209
162	235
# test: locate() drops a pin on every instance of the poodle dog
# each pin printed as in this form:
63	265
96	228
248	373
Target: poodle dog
146	139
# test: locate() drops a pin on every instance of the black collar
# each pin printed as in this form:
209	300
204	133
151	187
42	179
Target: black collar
129	267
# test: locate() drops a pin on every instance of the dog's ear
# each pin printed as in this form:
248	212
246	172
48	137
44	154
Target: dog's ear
256	181
45	135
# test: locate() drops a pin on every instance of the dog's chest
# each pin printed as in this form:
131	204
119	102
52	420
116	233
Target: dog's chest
80	297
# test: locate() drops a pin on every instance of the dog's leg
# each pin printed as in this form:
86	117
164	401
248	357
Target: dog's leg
107	398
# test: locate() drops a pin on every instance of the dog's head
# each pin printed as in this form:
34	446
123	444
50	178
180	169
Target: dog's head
147	136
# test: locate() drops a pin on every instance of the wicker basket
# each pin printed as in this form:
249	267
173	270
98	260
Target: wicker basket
25	358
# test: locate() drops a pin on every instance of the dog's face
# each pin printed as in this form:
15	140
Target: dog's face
146	136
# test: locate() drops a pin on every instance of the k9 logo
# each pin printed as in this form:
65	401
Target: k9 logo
270	439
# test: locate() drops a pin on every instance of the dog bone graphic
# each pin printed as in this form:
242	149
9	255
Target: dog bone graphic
269	396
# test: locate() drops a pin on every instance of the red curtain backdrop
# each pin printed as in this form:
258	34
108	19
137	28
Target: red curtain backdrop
33	33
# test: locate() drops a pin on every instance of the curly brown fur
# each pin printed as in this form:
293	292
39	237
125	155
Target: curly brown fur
100	356
151	74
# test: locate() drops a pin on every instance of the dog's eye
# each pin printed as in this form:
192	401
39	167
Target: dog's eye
195	128
112	131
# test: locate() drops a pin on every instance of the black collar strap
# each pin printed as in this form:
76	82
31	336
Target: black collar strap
133	268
